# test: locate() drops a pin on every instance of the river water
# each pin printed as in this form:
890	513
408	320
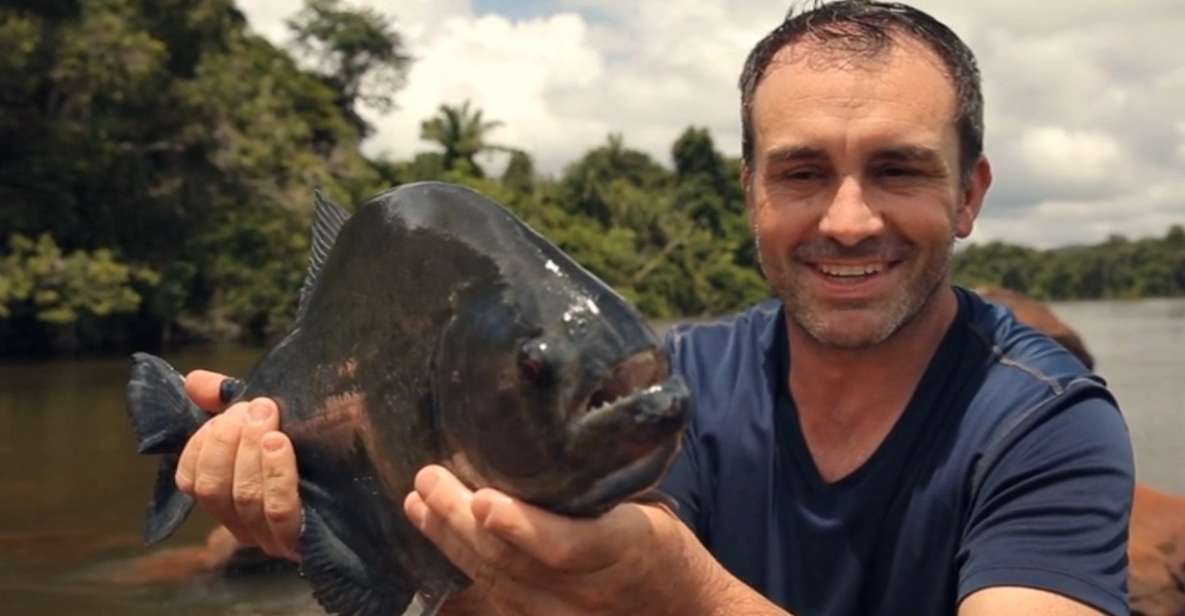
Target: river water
72	491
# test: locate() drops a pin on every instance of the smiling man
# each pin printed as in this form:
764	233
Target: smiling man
878	441
873	440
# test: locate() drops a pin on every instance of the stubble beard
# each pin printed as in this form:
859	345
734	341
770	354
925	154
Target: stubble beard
828	326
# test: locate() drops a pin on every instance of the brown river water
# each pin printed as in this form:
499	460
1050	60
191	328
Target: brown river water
73	492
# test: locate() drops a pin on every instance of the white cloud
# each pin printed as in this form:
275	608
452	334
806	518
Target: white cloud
1085	98
1142	212
513	70
1064	155
1181	145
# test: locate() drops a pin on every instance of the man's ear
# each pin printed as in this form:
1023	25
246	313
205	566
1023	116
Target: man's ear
972	198
746	182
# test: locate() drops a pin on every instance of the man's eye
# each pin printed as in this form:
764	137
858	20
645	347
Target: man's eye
801	175
899	172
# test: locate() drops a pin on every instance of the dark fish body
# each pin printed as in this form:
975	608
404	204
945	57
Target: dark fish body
435	327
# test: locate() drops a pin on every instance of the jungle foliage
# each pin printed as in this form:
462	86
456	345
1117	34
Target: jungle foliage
1118	268
160	158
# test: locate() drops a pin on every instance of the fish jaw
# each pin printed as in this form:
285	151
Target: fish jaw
623	447
632	480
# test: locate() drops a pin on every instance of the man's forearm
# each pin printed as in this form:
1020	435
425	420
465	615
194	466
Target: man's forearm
704	587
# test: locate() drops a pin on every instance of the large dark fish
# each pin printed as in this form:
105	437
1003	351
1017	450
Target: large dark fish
434	326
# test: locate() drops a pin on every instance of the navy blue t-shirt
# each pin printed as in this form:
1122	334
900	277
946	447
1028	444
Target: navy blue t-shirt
1011	466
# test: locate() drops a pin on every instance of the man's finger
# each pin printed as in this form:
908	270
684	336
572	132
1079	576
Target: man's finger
213	482
560	542
187	464
458	546
247	494
451	525
204	389
281	498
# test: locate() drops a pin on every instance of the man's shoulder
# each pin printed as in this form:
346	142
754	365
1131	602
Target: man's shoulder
723	360
1029	377
1022	359
1015	344
743	333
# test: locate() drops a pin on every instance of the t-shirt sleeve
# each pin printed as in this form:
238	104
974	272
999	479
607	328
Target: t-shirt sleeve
1051	505
682	481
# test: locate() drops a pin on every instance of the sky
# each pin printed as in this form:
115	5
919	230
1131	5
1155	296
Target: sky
1085	99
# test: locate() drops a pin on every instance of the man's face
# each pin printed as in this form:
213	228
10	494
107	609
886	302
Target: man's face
854	194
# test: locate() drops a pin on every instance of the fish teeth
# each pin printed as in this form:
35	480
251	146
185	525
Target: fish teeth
653	389
851	270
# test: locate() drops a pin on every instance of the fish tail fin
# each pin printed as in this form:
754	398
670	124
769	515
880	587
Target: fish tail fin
162	414
164	418
169	506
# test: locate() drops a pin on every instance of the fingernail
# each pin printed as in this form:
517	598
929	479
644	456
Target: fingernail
229	389
259	411
272	441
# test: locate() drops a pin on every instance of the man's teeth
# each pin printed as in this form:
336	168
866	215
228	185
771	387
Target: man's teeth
852	270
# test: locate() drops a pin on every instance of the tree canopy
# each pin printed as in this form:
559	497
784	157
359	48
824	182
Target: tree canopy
356	51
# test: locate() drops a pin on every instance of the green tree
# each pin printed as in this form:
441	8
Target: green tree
1175	238
169	136
56	298
356	49
587	183
462	133
519	175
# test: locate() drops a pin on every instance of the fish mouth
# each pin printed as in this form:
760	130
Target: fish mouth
629	432
637	387
630	381
631	480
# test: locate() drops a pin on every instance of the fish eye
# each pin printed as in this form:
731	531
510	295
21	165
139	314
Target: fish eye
532	361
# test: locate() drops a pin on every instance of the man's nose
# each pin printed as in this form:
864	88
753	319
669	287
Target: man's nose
849	218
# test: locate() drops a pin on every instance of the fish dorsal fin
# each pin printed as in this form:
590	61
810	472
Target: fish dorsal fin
341	581
328	219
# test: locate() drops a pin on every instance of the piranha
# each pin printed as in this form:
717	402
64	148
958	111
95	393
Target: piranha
436	327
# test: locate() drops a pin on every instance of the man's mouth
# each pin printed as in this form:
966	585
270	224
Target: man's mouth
853	272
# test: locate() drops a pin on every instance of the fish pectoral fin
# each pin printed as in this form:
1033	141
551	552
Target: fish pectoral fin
342	583
328	219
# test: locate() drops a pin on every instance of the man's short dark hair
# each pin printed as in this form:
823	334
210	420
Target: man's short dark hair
866	28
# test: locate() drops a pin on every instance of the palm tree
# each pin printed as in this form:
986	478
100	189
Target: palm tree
462	132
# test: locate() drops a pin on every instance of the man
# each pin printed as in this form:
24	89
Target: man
873	441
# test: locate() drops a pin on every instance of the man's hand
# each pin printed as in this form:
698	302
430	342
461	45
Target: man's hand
635	559
241	470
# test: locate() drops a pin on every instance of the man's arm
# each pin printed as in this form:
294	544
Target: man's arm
1048	524
635	559
523	560
1019	600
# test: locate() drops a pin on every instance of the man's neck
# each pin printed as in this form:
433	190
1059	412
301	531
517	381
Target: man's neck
848	399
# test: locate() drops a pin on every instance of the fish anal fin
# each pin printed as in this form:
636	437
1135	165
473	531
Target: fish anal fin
341	582
328	219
